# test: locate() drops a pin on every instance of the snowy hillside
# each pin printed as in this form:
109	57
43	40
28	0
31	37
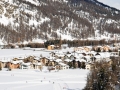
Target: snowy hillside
31	20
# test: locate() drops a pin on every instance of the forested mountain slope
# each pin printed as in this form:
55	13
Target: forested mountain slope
26	20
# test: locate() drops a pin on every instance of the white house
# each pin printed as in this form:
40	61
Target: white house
25	65
63	66
88	66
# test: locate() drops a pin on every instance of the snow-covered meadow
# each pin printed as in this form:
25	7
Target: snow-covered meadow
34	79
37	80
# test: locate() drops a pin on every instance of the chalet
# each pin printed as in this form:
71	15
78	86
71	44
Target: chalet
15	59
75	63
13	65
25	66
88	66
95	48
4	62
72	57
90	54
87	49
78	49
36	66
83	59
21	58
93	59
52	54
29	59
29	65
59	56
106	48
51	47
98	48
67	60
50	62
44	61
51	68
66	57
63	66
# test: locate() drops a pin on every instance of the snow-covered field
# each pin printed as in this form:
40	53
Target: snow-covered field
72	79
10	53
31	79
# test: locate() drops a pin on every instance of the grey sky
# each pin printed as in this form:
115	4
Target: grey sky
112	3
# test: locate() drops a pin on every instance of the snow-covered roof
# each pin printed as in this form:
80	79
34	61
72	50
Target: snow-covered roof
60	55
58	60
5	59
39	64
26	64
51	58
82	60
69	55
67	60
62	64
36	58
16	62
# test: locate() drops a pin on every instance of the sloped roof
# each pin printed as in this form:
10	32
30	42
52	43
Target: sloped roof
58	60
62	64
68	60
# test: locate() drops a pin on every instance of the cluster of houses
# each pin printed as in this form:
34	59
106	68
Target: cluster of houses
32	62
77	57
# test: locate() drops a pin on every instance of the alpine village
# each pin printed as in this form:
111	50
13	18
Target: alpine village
66	34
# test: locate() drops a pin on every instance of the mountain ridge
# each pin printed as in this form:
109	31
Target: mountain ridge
27	20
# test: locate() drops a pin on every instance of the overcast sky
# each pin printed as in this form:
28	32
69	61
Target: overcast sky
112	3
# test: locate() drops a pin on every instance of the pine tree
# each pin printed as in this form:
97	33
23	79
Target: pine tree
104	76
